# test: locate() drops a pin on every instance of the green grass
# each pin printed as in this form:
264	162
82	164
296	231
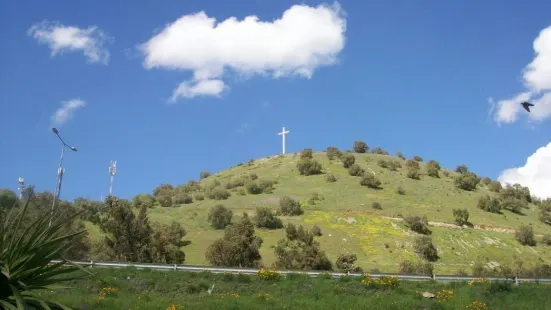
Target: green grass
147	289
345	213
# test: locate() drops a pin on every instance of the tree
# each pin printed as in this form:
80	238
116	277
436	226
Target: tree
417	158
423	246
289	206
467	181
8	199
238	248
461	216
345	263
330	178
379	150
462	169
306	153
360	146
347	160
167	241
299	251
220	216
418	224
204	174
308	166
489	204
163	189
413	173
400	155
433	167
265	218
370	181
143	200
525	235
494	186
355	170
333	152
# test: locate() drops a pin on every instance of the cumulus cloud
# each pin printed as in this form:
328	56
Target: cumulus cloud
535	174
66	111
537	78
61	38
303	39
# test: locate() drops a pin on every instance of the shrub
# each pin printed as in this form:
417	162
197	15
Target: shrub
360	146
546	239
253	176
333	152
218	193
489	204
199	196
141	200
330	178
413	173
253	188
204	174
393	165
514	205
345	263
376	205
382	163
370	181
379	150
236	182
289	206
462	169
240	191
306	153
347	160
461	216
417	158
446	173
400	155
433	167
467	181
220	216
355	170
266	218
423	246
418	224
400	190
316	231
164	200
525	235
409	267
308	166
181	198
545	217
495	186
410	163
486	181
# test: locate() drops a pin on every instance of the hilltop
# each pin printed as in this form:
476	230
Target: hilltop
365	220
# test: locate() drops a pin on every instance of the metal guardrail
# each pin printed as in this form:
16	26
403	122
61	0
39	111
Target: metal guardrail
252	271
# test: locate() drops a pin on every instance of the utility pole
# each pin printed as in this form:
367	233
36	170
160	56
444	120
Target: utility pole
60	172
112	172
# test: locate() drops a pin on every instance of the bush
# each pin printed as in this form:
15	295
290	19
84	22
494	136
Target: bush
306	153
514	205
333	152
393	165
220	216
360	146
462	169
418	224
141	200
433	167
379	150
382	163
417	158
308	166
545	217
236	182
355	170
461	216
253	176
348	160
289	206
199	196
164	200
330	178
467	181
181	198
413	173
345	263
253	188
316	231
486	181
376	205
409	267
370	181
410	163
400	155
494	186
546	239
204	174
525	235
400	190
424	247
489	204
266	218
218	193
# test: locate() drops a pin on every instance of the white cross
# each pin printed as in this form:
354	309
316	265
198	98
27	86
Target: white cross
283	133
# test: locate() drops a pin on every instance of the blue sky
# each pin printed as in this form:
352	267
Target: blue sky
413	76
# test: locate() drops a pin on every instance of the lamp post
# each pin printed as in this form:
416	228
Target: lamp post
60	171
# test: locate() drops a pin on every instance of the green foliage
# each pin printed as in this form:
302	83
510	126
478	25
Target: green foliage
238	247
316	231
409	267
418	158
204	174
376	205
462	169
513	205
236	182
199	196
253	176
306	153
360	146
413	173
25	259
289	206
163	189
422	245
400	190
265	218
218	193
467	181
489	204
308	166
220	216
382	163
400	155
393	165
516	191
494	186
433	167
461	216
370	181
8	199
545	217
181	198
546	239
143	200
348	160
525	235
486	181
330	178
299	251
166	243
355	170
379	150
418	224
410	163
345	263
89	210
333	152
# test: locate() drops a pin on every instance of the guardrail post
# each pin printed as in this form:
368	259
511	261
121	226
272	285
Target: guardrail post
516	280
91	263
175	267
433	277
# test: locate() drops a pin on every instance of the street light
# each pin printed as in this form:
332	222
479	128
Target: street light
59	171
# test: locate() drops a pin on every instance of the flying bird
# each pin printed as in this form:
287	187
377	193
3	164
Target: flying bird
526	105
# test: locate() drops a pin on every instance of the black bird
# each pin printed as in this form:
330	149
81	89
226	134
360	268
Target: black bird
526	105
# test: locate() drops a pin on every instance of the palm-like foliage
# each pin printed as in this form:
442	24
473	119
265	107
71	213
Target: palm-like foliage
25	256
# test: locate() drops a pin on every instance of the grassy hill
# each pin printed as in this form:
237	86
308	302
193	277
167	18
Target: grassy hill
343	210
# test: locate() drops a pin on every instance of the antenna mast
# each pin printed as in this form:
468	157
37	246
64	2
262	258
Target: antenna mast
112	172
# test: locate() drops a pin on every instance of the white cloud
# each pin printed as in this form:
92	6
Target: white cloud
537	78
303	39
535	174
61	38
190	89
66	111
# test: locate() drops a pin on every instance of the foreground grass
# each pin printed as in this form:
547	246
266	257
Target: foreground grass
148	289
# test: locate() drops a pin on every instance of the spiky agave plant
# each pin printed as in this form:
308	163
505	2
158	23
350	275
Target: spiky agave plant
25	256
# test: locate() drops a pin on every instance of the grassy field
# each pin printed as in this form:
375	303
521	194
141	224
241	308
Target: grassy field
145	289
348	222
